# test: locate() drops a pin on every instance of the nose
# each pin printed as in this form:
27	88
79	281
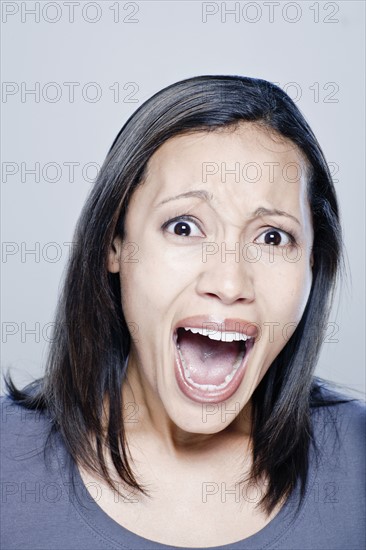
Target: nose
226	275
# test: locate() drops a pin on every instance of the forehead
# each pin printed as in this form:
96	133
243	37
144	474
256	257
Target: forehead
243	159
247	142
240	169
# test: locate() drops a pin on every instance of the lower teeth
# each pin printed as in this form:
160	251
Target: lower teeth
212	387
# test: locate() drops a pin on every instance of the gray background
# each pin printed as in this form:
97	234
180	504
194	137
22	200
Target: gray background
314	50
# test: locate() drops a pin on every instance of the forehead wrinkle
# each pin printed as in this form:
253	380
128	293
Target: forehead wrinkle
198	193
262	211
162	169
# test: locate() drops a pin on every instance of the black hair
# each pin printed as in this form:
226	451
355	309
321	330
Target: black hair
91	340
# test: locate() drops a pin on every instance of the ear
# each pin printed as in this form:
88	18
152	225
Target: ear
114	255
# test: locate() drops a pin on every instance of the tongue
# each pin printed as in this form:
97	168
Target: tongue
208	361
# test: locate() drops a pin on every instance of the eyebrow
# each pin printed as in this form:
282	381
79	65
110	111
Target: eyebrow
261	211
199	193
207	197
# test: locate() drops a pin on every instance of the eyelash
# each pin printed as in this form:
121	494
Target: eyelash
181	218
278	227
185	218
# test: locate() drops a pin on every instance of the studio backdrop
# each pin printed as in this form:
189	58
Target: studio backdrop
74	71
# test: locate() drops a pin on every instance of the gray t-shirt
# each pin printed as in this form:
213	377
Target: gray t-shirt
42	510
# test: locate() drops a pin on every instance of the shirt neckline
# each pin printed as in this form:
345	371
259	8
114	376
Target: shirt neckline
120	537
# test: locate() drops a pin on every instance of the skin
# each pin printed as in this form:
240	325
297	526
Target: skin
174	438
170	281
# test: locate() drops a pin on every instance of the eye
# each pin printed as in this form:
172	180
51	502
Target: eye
183	226
275	237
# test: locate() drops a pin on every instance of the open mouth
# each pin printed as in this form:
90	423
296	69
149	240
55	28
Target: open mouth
210	365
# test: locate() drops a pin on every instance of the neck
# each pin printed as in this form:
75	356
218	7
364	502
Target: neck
145	416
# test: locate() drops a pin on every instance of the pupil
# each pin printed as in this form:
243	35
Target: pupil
182	228
273	237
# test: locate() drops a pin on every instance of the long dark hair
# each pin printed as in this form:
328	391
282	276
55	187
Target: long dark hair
91	340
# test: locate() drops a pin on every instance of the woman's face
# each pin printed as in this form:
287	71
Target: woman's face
217	239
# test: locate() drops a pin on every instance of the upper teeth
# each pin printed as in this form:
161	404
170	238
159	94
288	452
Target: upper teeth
225	336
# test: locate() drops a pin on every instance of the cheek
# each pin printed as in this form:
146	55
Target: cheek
159	267
284	290
152	284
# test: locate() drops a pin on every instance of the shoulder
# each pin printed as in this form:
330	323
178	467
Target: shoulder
339	427
24	437
15	417
329	404
333	510
37	485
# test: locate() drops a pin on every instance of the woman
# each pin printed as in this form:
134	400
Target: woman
179	406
